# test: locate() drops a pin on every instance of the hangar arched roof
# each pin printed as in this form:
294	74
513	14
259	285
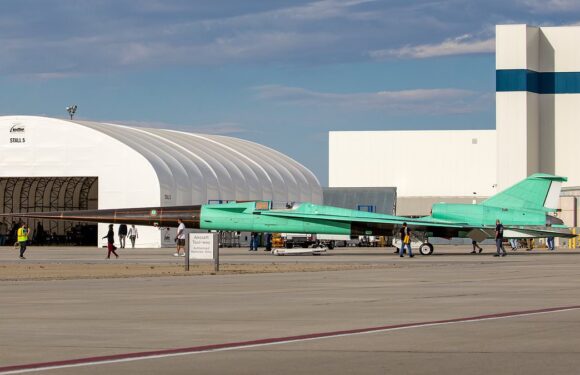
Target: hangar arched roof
197	168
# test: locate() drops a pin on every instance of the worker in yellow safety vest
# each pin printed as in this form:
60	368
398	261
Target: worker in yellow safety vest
23	239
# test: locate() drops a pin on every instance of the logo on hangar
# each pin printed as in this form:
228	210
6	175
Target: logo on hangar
17	133
17	128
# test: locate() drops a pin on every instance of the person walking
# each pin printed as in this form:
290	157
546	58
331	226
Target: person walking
499	239
111	242
3	233
39	234
529	244
268	242
12	236
513	243
180	239
550	243
476	246
405	241
122	235
133	234
254	241
22	237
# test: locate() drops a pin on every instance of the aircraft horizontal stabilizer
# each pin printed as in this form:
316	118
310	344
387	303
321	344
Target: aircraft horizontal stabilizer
537	233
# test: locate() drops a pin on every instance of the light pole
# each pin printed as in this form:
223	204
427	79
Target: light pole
71	110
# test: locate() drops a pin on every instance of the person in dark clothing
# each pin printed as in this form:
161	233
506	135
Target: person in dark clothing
12	235
111	242
3	233
122	235
405	241
39	234
499	240
550	243
254	241
475	246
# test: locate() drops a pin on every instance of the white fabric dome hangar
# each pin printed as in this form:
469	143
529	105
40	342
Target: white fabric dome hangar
54	164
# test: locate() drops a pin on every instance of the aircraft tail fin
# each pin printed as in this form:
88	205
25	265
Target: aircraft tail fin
537	192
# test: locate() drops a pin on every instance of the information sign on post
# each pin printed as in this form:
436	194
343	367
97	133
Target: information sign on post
203	246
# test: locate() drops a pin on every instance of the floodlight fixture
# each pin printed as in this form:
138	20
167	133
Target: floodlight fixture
71	110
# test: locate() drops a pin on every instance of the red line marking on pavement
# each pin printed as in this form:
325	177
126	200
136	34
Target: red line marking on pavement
260	342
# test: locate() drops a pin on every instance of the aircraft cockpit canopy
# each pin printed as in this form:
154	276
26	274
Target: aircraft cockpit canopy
285	205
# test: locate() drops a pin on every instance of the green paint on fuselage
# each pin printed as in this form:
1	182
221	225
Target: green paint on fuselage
229	217
477	215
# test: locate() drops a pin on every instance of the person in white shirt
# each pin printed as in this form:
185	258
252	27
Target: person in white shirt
133	234
180	239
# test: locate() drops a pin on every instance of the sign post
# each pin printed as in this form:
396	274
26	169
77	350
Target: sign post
203	246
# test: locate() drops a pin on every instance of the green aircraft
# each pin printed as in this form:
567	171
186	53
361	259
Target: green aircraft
522	209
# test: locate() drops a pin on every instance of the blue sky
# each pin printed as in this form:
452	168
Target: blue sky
282	73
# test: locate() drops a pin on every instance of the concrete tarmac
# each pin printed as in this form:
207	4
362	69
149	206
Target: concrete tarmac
64	320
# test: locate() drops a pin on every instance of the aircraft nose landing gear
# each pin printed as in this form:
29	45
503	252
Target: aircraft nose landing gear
426	249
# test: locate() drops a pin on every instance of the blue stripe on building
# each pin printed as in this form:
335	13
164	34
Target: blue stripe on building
538	82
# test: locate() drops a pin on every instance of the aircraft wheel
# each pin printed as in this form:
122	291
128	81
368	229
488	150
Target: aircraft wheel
426	249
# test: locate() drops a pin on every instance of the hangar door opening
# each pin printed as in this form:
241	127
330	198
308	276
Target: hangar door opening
43	194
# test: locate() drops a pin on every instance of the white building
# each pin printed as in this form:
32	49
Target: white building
537	130
415	162
51	164
537	101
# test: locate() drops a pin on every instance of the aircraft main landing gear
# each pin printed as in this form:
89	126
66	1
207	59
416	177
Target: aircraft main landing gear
426	249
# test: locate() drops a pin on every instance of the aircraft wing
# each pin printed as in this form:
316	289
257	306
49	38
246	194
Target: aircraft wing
418	224
371	222
438	228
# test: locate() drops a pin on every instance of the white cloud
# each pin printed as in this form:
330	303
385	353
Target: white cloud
313	11
461	45
443	100
324	9
552	6
257	46
242	47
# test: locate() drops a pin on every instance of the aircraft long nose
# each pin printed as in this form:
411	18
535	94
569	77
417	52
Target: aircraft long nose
155	216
